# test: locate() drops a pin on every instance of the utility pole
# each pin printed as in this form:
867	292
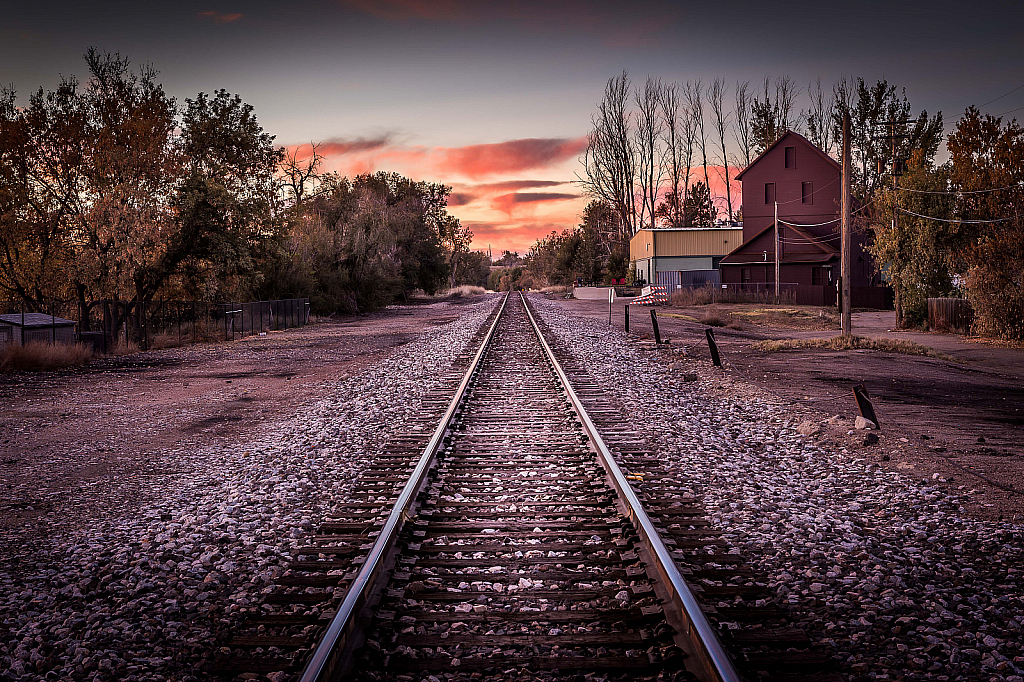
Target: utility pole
777	259
846	265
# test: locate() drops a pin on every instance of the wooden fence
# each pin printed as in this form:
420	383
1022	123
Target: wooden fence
954	314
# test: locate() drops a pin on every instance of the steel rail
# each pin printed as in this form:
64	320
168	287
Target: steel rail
337	640
714	661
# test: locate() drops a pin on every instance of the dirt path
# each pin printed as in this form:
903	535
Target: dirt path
962	421
85	441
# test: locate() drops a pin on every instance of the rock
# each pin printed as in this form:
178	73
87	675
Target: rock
863	424
808	428
690	376
870	439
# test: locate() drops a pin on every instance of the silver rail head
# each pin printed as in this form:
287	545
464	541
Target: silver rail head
324	660
720	663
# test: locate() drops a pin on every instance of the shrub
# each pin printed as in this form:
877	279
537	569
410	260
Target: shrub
43	357
465	290
713	321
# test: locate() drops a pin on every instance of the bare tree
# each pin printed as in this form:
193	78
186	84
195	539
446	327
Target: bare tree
786	93
742	124
694	99
610	159
650	170
773	115
819	118
689	138
301	174
716	97
674	137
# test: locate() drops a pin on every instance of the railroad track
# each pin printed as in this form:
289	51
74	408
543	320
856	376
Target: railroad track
524	533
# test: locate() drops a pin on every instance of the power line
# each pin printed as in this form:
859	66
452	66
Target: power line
1001	96
1009	112
785	222
800	199
973	191
962	222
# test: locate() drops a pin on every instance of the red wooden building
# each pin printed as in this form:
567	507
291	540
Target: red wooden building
804	183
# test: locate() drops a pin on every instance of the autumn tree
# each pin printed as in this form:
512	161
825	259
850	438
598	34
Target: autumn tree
915	250
987	174
882	130
228	205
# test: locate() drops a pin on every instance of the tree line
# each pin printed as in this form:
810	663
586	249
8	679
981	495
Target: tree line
111	189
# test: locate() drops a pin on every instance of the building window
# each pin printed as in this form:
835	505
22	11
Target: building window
769	192
816	275
790	157
744	275
807	193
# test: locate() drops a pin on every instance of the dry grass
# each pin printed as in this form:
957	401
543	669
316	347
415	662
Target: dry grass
560	289
687	297
43	357
169	340
713	321
854	343
465	290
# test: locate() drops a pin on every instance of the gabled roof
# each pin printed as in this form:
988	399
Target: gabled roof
785	135
820	250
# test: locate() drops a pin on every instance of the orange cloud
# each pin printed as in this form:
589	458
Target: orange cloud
219	17
472	161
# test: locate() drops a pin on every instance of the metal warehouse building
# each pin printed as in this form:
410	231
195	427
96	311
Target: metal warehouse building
682	256
20	329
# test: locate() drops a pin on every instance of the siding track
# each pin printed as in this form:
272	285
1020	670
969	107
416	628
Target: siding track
511	546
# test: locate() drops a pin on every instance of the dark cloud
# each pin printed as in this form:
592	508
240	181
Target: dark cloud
513	185
512	156
338	145
219	17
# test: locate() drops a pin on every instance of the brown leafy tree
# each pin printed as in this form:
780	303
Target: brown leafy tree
987	173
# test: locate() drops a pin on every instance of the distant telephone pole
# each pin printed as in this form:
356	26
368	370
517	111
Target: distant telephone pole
777	259
845	254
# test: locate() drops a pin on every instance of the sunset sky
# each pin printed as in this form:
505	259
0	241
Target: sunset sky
495	98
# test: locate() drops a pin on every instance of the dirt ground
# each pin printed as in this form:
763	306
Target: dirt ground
955	424
71	441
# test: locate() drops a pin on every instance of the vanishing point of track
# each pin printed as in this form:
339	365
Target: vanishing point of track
505	542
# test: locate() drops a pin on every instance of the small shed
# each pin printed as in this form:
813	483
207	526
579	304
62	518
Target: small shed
18	329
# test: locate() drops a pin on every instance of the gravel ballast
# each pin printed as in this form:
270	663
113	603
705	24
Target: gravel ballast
147	591
884	569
